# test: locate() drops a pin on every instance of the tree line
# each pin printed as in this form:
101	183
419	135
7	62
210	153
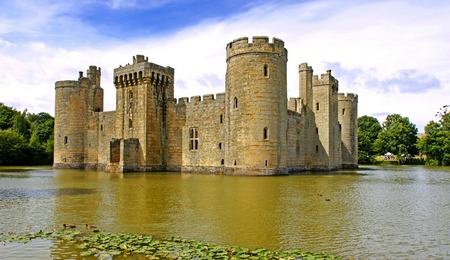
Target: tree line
25	138
398	136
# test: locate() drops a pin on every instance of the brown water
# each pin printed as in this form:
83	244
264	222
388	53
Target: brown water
395	212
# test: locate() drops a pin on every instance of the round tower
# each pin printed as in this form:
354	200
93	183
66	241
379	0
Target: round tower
348	125
70	123
256	107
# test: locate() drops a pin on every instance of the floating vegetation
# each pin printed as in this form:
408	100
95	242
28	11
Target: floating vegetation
101	244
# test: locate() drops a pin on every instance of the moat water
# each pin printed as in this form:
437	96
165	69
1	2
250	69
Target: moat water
376	212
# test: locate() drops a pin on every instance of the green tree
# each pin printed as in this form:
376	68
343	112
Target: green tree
368	129
14	148
25	138
7	115
398	136
436	143
21	125
42	126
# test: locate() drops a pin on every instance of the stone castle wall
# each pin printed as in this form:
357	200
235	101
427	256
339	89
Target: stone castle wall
250	129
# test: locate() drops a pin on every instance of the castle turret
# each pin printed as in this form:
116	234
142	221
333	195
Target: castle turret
75	101
142	90
256	102
348	119
325	108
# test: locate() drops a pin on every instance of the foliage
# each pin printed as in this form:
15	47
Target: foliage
25	138
7	115
398	136
14	148
106	245
368	129
436	143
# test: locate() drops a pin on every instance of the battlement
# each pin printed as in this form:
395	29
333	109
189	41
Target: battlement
259	44
67	84
295	104
198	99
139	58
140	69
304	67
347	97
324	79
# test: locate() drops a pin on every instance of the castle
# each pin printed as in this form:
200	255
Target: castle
251	129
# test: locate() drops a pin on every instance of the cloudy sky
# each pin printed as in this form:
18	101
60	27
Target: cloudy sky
394	54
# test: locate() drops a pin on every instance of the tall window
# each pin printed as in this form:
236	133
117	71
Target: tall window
193	139
343	111
266	71
266	133
65	139
317	106
235	102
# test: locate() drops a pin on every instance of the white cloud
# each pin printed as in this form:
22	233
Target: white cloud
398	42
116	4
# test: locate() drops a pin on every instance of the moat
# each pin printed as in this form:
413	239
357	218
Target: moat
377	212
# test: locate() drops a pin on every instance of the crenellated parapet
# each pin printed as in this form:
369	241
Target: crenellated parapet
199	100
67	84
348	97
141	71
325	79
260	44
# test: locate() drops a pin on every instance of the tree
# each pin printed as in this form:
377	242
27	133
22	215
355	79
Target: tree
14	148
7	115
21	125
368	129
436	143
25	138
398	136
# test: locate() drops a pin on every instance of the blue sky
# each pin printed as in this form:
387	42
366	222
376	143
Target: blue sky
393	54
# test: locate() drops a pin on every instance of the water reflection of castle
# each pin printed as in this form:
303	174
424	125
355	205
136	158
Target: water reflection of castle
252	128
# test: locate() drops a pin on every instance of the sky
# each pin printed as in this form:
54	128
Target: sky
395	55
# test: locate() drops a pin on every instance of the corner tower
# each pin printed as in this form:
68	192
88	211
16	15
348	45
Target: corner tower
75	102
348	120
256	107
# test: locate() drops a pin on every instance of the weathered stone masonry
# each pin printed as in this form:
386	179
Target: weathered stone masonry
251	129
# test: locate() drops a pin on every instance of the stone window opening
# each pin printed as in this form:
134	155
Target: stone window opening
266	71
235	102
220	146
101	127
193	139
267	163
65	139
222	162
266	133
317	130
340	127
235	163
140	74
317	106
130	123
221	118
317	148
343	111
